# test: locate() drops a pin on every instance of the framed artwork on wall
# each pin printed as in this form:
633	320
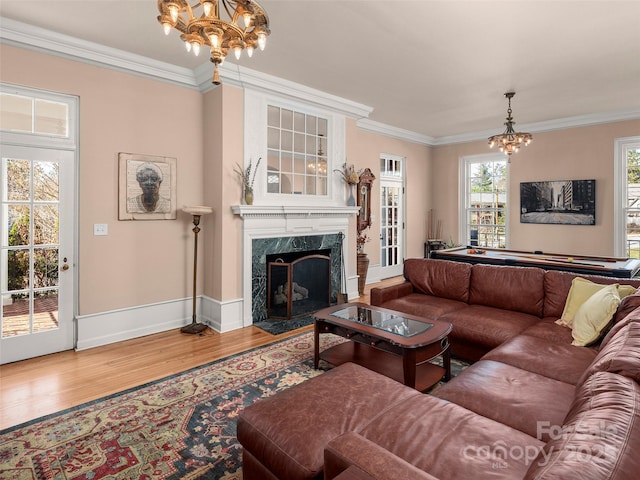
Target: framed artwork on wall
566	202
147	187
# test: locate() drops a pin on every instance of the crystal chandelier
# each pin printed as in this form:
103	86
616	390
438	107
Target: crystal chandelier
510	141
222	25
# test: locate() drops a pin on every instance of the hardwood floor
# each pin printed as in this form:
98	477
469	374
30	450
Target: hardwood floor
32	388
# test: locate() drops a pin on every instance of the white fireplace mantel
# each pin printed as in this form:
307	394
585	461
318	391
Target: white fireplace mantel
267	221
292	211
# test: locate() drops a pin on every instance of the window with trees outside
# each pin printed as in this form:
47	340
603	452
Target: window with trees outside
630	152
485	184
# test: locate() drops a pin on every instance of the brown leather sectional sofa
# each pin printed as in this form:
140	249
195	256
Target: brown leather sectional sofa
533	406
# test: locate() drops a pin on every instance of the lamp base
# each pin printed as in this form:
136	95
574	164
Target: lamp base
194	328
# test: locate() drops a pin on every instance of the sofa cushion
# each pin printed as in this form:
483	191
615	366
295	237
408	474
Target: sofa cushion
600	436
547	329
620	351
519	289
423	305
562	362
287	433
351	450
449	441
510	395
487	326
440	278
627	305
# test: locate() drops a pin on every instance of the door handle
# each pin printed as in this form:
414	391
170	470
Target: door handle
65	265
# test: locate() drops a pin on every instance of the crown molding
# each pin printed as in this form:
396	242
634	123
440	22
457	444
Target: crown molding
27	36
234	74
394	132
547	126
38	39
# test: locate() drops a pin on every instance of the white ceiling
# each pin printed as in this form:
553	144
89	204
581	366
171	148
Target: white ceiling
437	68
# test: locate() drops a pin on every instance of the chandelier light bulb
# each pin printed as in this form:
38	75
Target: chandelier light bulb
166	27
173	11
196	48
262	40
187	45
237	51
215	40
247	19
208	8
250	51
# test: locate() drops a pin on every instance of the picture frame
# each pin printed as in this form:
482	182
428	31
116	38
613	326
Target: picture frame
563	202
146	187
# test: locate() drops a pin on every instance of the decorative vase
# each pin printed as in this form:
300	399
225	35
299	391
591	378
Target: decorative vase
351	201
362	269
248	196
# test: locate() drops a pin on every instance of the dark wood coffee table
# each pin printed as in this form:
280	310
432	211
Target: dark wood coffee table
392	343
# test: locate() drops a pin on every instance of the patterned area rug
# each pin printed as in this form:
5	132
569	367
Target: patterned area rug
181	427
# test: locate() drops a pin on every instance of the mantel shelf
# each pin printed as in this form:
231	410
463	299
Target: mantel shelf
292	211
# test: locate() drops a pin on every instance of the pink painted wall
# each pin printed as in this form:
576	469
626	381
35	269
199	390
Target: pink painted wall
139	262
573	153
223	148
364	150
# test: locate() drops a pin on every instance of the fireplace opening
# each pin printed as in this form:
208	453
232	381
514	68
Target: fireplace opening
298	283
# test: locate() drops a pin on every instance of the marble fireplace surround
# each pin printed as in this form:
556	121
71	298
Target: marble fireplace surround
280	229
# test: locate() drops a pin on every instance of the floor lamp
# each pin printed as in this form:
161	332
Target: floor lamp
197	212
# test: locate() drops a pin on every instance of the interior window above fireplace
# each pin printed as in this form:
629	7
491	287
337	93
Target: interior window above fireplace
297	152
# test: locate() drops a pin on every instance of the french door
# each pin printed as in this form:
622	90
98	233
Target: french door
391	216
36	251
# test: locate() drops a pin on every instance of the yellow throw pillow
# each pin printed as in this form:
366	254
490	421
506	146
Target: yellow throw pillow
580	291
594	315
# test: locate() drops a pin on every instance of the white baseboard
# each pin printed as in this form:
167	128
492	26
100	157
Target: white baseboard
373	274
222	316
113	326
117	325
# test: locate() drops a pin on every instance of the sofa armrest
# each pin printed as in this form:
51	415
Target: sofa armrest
353	449
379	296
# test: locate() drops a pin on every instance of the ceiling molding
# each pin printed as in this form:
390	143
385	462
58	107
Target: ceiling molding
547	126
234	74
41	40
395	132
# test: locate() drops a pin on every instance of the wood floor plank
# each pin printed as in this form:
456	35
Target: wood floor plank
40	386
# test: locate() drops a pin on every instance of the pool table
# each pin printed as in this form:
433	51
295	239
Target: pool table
610	267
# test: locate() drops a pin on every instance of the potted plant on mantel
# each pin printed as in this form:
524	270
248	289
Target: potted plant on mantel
247	181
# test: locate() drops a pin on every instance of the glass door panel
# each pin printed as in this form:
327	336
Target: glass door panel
34	209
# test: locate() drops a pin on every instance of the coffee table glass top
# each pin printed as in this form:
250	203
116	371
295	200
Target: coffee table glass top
386	321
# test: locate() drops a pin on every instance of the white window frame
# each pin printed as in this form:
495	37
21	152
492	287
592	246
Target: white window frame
68	142
621	147
463	170
255	146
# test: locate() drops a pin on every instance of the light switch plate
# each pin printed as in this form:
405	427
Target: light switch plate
100	229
